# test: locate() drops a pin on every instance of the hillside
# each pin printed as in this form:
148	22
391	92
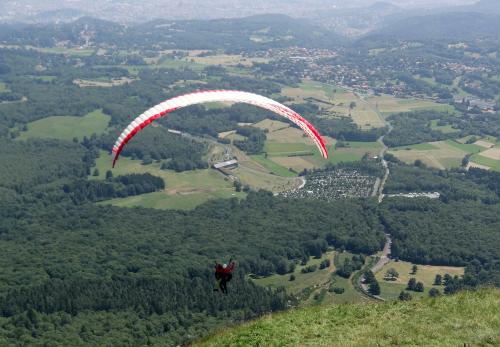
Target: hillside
440	26
466	319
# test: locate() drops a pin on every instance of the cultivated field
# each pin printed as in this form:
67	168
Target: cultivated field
441	154
387	104
287	148
337	101
67	128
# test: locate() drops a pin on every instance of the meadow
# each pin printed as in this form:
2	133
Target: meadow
184	190
425	274
66	127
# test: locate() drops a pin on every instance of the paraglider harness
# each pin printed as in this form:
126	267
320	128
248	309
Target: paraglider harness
223	274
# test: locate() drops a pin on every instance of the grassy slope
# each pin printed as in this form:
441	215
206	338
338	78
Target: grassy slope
469	318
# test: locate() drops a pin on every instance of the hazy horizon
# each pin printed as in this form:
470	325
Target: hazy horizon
132	11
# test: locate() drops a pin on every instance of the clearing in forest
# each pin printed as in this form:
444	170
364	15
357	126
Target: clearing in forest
66	127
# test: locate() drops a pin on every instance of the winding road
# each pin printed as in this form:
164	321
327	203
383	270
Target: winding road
379	188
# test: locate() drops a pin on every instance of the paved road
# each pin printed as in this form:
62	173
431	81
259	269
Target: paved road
379	188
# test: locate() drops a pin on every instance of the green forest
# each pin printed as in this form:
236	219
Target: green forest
77	272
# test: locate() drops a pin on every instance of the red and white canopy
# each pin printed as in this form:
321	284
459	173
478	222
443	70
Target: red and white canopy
201	97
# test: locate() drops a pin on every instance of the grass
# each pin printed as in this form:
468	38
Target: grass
67	51
446	129
66	127
425	274
184	190
419	146
388	104
302	281
466	147
443	155
272	166
465	319
492	163
315	282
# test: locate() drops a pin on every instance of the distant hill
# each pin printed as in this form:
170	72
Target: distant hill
465	319
447	25
261	31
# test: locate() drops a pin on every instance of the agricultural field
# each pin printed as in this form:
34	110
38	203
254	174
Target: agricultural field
77	52
226	60
67	128
337	101
387	105
260	173
480	161
425	274
184	190
311	89
441	154
287	148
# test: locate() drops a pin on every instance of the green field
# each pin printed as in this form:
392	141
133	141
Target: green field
419	146
425	274
302	281
78	52
315	282
353	152
469	148
67	128
180	64
272	166
492	163
44	78
184	190
446	129
465	319
3	87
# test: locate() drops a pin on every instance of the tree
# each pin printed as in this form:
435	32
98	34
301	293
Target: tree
352	105
438	280
391	274
96	172
292	277
411	284
369	277
237	186
405	296
324	264
109	174
447	278
434	292
374	288
414	269
419	287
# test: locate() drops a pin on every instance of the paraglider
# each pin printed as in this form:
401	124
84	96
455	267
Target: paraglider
200	97
223	274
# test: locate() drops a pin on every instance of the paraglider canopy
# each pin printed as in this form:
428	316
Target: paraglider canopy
200	97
